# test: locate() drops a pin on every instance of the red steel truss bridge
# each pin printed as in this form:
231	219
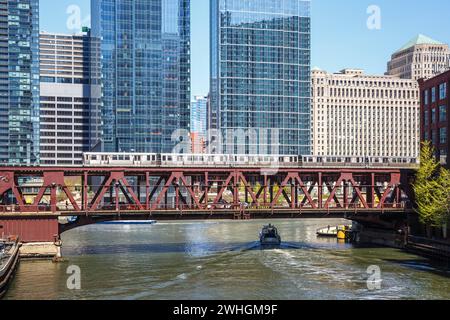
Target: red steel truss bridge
39	203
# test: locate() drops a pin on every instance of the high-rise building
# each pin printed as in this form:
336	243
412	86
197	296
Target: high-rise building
422	57
70	102
260	75
435	111
358	115
198	115
199	109
19	81
145	49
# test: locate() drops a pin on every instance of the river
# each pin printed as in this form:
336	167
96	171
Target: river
222	260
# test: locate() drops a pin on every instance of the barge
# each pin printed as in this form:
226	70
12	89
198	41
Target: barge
9	259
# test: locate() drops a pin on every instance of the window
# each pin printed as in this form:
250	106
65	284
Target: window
443	91
442	113
443	135
426	119
48	79
426	97
434	137
433	94
433	116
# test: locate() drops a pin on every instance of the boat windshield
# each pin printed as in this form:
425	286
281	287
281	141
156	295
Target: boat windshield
270	231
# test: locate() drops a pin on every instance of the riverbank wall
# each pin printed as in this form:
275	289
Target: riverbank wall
381	237
434	249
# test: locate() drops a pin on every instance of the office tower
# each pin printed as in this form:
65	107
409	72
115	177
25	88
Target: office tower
435	104
198	115
199	109
19	81
145	49
69	106
260	75
358	115
422	57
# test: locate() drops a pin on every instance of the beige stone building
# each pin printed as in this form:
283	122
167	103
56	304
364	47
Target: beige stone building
359	115
422	57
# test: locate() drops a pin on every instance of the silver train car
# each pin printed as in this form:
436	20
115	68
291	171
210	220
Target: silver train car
216	160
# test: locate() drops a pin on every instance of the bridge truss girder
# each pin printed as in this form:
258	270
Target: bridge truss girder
192	189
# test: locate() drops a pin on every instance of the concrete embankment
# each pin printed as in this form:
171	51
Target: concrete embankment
434	249
40	250
381	237
430	248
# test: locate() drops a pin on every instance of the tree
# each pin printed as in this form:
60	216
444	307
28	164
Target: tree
432	189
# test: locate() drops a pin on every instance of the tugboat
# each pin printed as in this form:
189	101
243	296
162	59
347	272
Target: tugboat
9	259
269	236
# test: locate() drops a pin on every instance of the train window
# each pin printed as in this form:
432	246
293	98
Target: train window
127	158
348	160
114	158
164	158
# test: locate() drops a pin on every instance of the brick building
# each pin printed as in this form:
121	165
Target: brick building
434	113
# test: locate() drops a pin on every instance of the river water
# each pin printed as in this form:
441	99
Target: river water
222	260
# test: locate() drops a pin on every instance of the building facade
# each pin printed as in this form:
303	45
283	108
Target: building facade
70	104
365	116
422	57
435	108
260	75
145	49
19	81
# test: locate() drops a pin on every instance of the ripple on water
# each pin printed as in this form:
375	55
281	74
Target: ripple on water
223	260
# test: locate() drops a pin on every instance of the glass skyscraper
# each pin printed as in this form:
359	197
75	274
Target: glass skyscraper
19	81
260	75
145	48
198	115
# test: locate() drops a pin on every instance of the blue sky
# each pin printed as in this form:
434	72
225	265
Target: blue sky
340	37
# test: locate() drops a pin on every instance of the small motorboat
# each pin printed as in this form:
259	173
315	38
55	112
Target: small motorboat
269	236
339	232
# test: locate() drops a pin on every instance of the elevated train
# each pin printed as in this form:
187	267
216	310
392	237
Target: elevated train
222	160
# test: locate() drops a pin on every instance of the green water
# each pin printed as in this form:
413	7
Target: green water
222	260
